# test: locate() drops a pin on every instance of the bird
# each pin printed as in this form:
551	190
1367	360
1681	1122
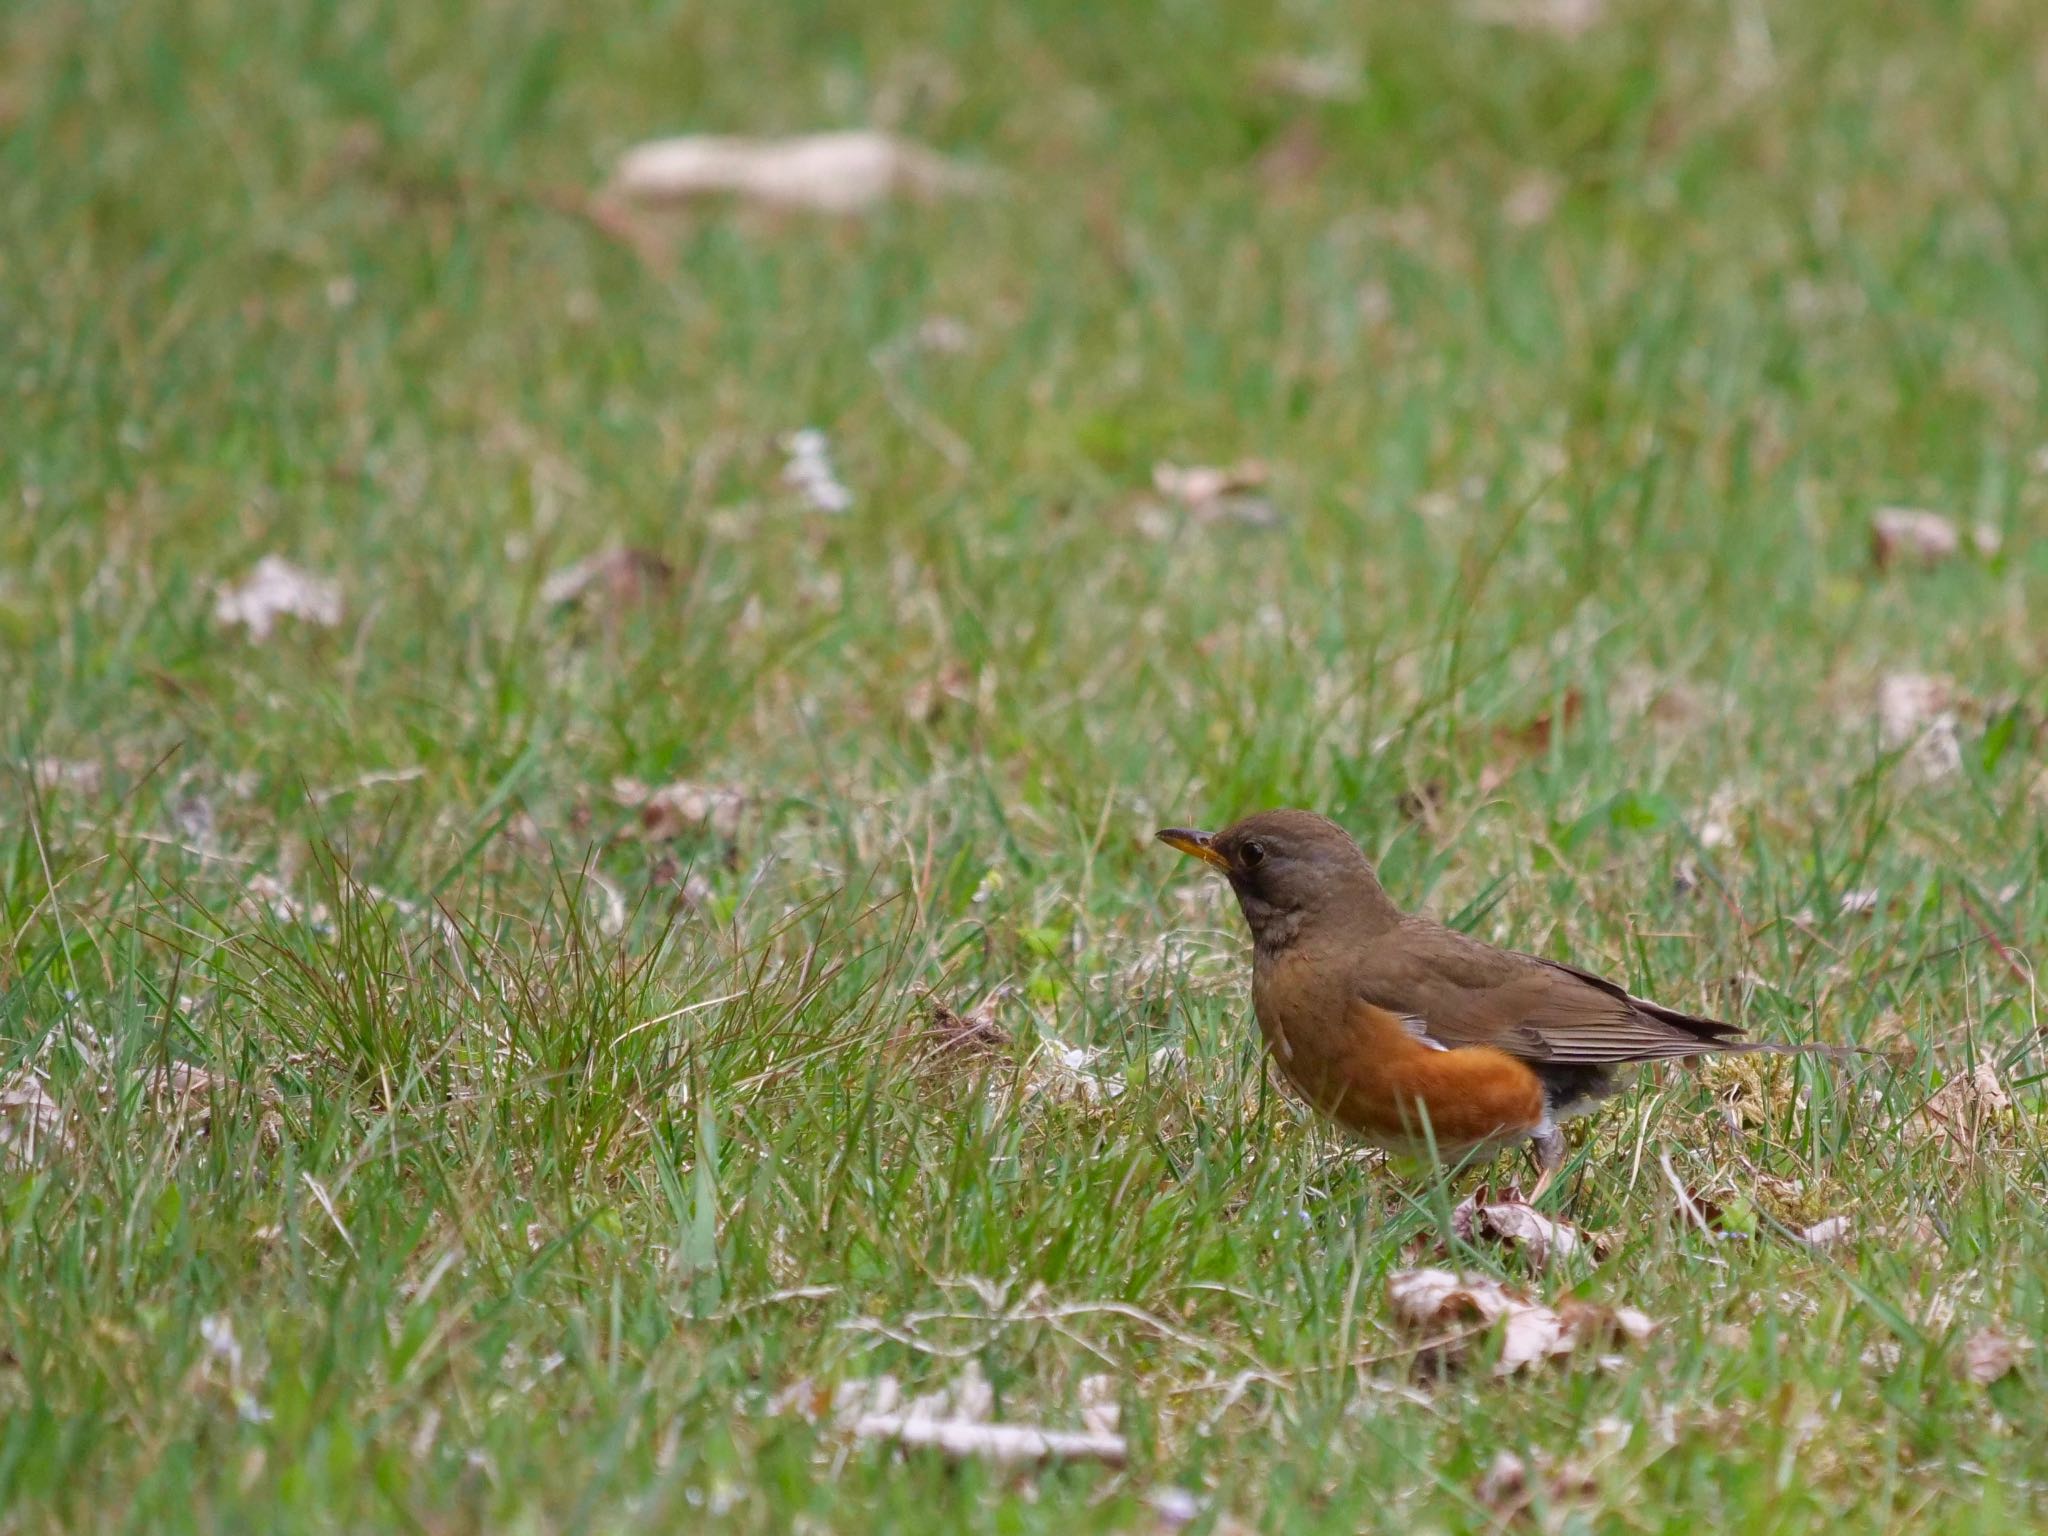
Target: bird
1412	1035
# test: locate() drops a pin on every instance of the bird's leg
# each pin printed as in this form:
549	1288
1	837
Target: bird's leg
1547	1145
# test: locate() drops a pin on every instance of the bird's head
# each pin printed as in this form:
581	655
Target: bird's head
1290	869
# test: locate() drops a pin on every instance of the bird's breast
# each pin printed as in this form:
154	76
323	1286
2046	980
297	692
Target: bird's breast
1361	1066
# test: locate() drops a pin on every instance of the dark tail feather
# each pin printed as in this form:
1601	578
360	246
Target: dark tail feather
1718	1037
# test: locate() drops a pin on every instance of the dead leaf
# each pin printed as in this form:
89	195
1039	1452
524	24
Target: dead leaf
1216	494
1531	200
31	1122
1068	1071
1505	1487
1514	1224
1861	902
276	589
1451	1310
1918	715
1964	1106
929	697
1422	802
80	774
674	809
1829	1232
1534	738
1294	158
619	577
1198	484
1313	77
1910	533
1990	1354
810	474
1174	1507
266	895
1101	1405
1568	19
976	1032
835	173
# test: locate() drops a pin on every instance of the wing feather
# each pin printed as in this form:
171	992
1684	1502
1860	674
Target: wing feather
1468	993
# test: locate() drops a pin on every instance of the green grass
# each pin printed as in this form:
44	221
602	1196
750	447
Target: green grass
522	1215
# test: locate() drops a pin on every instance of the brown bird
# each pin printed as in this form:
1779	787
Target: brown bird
1415	1035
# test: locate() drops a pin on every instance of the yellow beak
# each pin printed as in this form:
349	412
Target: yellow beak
1189	841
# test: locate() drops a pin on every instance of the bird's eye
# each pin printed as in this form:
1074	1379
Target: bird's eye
1252	855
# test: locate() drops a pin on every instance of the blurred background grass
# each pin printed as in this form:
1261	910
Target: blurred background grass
1580	342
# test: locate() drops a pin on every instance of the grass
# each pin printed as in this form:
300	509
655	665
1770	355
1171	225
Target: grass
512	1187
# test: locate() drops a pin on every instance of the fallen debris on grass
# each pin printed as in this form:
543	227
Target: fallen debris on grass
955	1420
1518	1225
619	577
671	810
1450	1311
841	173
276	589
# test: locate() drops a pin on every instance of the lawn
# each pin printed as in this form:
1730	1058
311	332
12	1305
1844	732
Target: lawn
478	1056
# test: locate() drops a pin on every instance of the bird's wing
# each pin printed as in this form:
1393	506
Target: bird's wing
1462	992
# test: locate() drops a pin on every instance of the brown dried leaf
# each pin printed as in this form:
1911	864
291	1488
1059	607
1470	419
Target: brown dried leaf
1451	1309
1313	77
1175	1508
976	1032
1917	715
1196	485
929	697
80	774
808	470
1829	1232
1294	158
1062	1071
1101	1404
1531	200
1926	538
1505	1487
265	894
619	577
1514	1224
1422	802
836	173
276	589
31	1122
684	806
1965	1106
1534	738
1990	1354
1215	494
1568	19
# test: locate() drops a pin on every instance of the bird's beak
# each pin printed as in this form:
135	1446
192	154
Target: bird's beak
1188	840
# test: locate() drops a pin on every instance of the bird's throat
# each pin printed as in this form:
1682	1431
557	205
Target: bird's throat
1274	929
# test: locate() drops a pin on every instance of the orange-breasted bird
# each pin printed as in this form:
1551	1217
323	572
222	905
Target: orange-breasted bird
1412	1034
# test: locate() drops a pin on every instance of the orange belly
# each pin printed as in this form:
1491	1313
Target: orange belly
1381	1082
